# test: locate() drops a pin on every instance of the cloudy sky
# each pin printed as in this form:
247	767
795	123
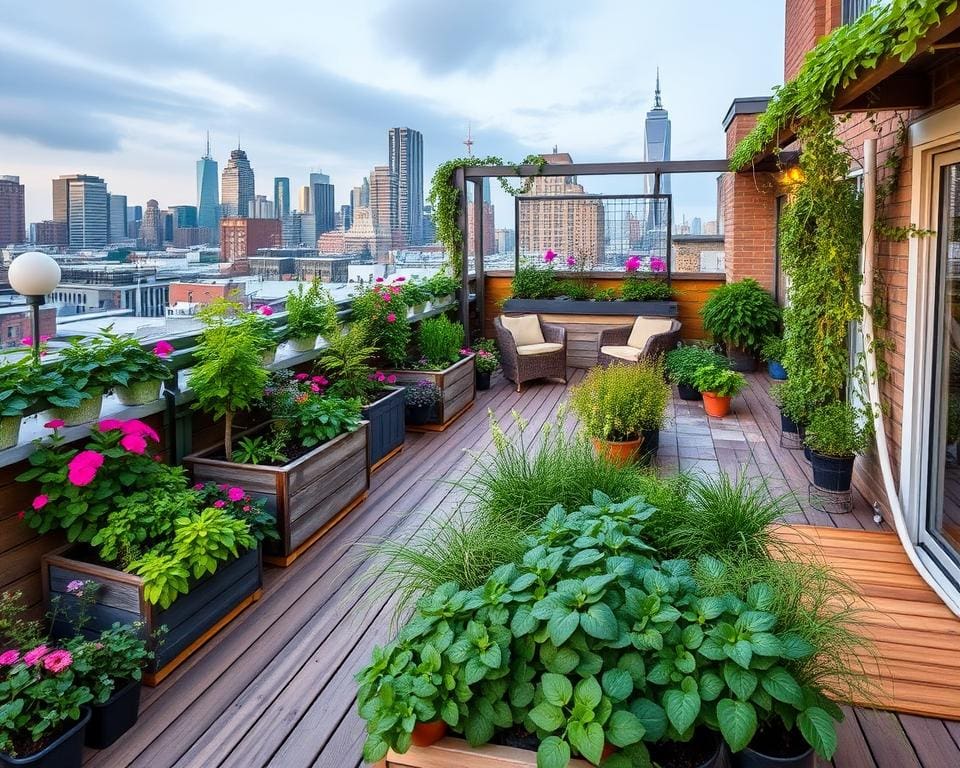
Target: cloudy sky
126	90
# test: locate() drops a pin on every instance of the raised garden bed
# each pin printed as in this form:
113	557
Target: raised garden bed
387	426
212	602
308	495
458	389
579	307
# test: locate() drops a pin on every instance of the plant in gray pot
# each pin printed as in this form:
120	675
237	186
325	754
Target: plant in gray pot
741	315
421	398
835	437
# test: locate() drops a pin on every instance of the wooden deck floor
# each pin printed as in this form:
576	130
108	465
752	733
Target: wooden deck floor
276	687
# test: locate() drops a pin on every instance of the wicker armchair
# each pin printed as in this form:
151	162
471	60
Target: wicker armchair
528	362
615	343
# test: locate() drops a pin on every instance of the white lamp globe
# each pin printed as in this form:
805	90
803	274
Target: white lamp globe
34	274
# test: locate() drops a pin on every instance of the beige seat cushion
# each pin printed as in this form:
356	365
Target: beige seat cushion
645	327
539	349
624	353
525	329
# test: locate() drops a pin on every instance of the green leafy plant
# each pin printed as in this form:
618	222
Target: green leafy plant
719	381
579	290
320	419
384	316
488	356
415	293
836	430
439	340
311	312
534	282
636	288
131	361
605	294
773	349
798	397
95	364
23	386
741	314
203	539
620	402
684	361
441	285
260	449
346	363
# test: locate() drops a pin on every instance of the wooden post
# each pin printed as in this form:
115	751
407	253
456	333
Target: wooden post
460	182
478	252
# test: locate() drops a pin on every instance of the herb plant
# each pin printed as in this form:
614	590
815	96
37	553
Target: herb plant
533	282
345	361
741	314
718	381
311	312
636	288
414	293
835	430
579	290
134	362
441	285
440	341
620	402
683	362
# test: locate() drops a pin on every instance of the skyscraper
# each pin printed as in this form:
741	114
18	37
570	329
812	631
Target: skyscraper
383	216
261	208
355	197
321	199
406	174
281	196
118	217
236	185
656	148
207	195
87	212
346	217
151	228
13	222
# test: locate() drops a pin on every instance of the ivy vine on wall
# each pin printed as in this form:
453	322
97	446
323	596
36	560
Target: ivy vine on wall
445	199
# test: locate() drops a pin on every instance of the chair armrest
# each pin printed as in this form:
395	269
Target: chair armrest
615	337
554	334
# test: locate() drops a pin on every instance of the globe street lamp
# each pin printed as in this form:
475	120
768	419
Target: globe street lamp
33	275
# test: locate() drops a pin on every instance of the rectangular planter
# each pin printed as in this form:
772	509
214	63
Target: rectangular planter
458	389
456	753
387	426
212	602
578	307
308	496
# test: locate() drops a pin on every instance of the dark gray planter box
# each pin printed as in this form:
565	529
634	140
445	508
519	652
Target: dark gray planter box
578	307
212	602
458	389
387	425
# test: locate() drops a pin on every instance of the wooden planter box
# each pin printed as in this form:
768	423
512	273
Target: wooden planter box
579	307
387	426
212	602
458	388
456	753
308	496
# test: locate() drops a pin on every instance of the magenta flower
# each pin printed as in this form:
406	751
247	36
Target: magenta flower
198	486
57	661
32	657
137	427
134	443
83	467
9	658
657	264
40	501
571	261
107	425
163	349
387	297
235	493
632	264
379	279
44	339
549	256
219	503
27	341
400	279
75	587
54	424
381	376
314	387
391	378
302	376
266	310
391	318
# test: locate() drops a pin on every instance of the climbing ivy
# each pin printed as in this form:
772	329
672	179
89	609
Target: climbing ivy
445	199
886	30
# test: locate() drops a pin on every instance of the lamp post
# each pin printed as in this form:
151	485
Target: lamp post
33	275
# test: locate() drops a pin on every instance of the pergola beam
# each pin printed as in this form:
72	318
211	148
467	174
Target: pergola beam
599	169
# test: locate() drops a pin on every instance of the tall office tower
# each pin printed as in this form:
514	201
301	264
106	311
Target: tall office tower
261	208
303	200
281	196
13	219
298	229
88	212
696	226
184	216
118	217
355	195
656	148
151	228
321	199
365	192
346	217
383	216
236	185
406	173
134	218
208	214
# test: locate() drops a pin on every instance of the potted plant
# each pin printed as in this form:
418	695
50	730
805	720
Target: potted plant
414	294
835	437
718	385
23	386
264	330
617	404
145	369
311	313
487	362
421	398
797	398
442	288
772	351
740	315
382	311
682	363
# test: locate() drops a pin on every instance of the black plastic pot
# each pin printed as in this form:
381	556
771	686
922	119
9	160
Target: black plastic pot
117	715
788	425
649	448
65	752
418	415
832	473
664	751
687	392
741	360
483	381
751	758
776	747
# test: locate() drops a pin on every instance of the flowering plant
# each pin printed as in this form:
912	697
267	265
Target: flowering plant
306	416
381	309
99	363
345	361
422	394
488	358
24	385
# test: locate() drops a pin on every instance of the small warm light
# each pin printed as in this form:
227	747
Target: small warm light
793	175
34	274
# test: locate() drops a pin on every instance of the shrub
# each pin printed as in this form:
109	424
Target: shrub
683	362
718	381
741	314
422	394
773	349
532	282
345	362
578	290
620	402
440	341
385	317
636	288
835	430
311	312
605	294
798	398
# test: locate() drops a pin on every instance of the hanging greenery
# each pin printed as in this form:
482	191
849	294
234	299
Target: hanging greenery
885	30
445	199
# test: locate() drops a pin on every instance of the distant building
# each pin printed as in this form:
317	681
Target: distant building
281	196
365	240
326	269
88	212
429	230
118	217
656	148
488	231
261	208
49	232
13	222
16	321
506	240
710	228
184	216
241	237
298	229
151	228
405	147
356	195
208	212
331	242
237	186
346	217
322	201
383	214
696	226
206	292
304	200
134	217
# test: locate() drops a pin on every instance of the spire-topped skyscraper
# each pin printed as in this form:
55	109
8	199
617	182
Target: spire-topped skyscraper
207	194
237	187
656	148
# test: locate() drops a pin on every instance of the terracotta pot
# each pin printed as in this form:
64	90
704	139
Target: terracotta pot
716	406
425	734
617	452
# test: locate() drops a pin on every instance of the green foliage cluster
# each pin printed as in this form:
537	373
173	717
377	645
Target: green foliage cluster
132	361
415	293
740	314
636	288
25	385
385	318
683	363
886	30
320	419
718	380
96	364
439	341
576	289
621	401
311	312
798	398
533	282
835	429
441	285
605	294
488	356
345	361
773	348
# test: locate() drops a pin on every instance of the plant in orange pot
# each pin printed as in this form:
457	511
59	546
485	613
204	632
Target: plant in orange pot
621	408
718	386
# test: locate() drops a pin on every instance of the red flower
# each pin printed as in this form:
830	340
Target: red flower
219	503
379	279
83	467
21	514
57	661
163	349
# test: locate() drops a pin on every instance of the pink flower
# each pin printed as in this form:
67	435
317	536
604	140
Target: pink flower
54	424
391	379
44	339
40	501
266	310
83	467
466	351
400	279
395	289
246	507
27	341
219	503
315	387
657	264
9	658
134	444
632	264
302	376
223	486
379	279
163	349
198	486
391	318
381	376
32	657
57	661
108	424
137	427
571	261
75	586
549	256
235	493
387	297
